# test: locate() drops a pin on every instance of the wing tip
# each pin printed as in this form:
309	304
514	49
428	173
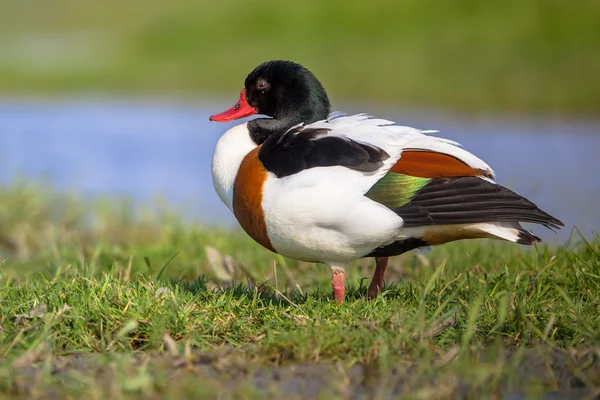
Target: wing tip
549	221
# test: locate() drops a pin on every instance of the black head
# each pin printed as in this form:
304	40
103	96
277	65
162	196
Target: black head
285	91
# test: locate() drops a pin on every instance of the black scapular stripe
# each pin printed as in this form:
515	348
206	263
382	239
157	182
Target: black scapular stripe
287	153
465	200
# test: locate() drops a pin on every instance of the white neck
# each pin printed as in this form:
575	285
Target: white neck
231	149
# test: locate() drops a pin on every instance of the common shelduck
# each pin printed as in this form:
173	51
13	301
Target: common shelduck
330	188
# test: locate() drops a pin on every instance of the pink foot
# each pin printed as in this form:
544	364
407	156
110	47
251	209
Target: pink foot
376	285
337	282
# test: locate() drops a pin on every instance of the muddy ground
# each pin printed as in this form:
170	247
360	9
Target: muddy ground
556	374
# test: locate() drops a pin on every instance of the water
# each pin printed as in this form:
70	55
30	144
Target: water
144	149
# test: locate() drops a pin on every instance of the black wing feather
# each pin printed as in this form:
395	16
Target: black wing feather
287	153
466	200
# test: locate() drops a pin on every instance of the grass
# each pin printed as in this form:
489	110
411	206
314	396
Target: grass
101	300
514	56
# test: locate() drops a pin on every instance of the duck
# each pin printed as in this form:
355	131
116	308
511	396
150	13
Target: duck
332	188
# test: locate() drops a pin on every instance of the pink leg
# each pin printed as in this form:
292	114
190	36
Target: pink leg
338	280
376	285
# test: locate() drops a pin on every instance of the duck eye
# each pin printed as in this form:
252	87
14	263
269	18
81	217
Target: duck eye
261	84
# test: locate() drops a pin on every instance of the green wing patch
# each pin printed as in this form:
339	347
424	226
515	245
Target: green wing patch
396	190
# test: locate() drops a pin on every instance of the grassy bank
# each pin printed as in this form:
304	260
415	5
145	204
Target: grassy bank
98	300
514	56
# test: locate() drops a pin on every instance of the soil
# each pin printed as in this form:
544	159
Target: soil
564	375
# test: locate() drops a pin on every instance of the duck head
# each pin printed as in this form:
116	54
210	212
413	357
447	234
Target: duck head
284	91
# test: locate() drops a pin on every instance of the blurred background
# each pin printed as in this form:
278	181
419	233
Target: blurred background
111	99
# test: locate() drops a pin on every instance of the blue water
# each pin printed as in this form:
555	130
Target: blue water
145	149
